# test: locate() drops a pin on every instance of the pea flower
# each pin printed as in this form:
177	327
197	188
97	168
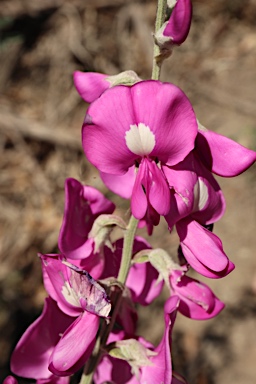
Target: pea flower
197	301
197	201
141	128
155	369
80	297
31	356
176	29
83	204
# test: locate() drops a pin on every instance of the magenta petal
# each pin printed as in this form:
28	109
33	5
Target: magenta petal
83	204
31	356
142	280
103	133
161	371
75	345
222	155
121	185
159	192
10	380
139	201
90	85
113	371
202	269
166	110
197	301
214	206
179	23
56	281
55	380
203	244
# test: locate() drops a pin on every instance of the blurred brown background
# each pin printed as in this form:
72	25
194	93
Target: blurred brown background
42	43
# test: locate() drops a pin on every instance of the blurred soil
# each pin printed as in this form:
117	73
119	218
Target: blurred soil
42	43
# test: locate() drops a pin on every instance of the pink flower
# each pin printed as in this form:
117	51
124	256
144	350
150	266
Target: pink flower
32	354
78	295
83	204
160	368
197	301
196	202
176	29
142	127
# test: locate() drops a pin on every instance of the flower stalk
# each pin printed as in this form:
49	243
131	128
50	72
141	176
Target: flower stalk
160	18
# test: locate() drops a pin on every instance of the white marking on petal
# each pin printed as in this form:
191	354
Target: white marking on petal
140	139
203	194
70	295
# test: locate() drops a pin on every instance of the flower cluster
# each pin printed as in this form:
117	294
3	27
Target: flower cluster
145	140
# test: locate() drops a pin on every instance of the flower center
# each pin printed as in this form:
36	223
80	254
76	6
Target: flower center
140	139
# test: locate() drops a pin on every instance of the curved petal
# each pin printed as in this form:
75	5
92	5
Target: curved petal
197	301
161	370
90	85
83	204
139	200
211	205
142	281
203	244
120	108
75	345
201	268
121	185
57	284
159	192
167	111
179	23
114	371
222	155
55	380
31	356
103	132
10	380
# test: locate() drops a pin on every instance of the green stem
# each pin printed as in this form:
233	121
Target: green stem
122	276
160	17
127	250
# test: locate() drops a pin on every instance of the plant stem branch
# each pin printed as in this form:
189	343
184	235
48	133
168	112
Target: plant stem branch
122	276
160	17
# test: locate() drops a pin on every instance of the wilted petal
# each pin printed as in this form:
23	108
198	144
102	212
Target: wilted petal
179	23
202	244
90	85
75	345
197	301
31	356
83	204
222	155
57	284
